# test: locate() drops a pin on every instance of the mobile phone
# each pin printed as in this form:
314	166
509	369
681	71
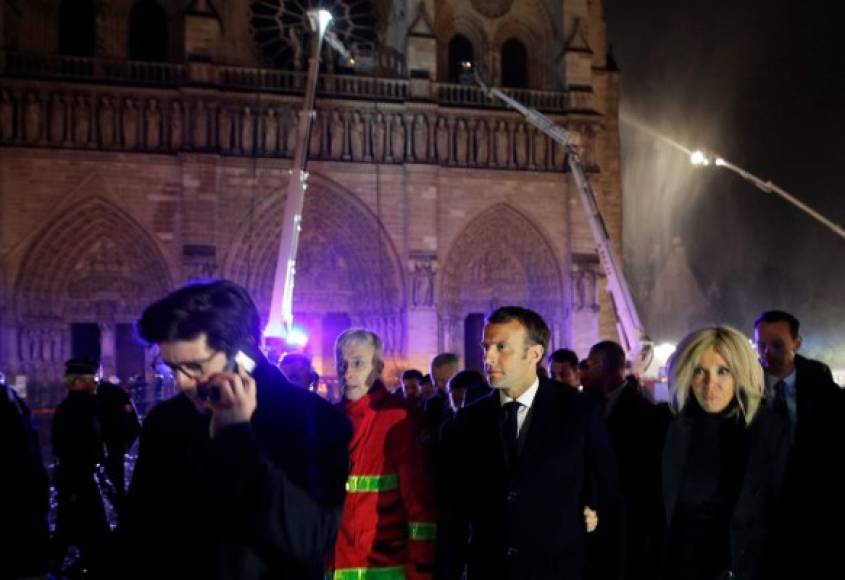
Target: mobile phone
241	361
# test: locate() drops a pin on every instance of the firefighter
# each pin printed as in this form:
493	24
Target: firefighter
387	529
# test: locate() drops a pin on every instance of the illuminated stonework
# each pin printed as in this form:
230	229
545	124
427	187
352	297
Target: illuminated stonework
427	204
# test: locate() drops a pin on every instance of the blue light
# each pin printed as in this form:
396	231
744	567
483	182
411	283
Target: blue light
296	337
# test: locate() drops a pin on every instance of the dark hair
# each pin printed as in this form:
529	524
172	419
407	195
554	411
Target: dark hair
535	326
444	358
770	316
611	353
412	374
583	364
295	358
564	355
220	309
467	379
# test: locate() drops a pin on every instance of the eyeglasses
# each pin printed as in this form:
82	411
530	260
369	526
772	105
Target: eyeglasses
194	369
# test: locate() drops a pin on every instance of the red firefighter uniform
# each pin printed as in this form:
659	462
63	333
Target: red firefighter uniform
388	530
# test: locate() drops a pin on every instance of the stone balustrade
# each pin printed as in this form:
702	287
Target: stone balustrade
393	130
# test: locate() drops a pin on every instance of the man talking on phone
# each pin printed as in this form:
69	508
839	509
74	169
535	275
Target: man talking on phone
240	475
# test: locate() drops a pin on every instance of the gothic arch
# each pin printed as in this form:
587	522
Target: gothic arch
530	34
92	263
500	258
346	261
459	20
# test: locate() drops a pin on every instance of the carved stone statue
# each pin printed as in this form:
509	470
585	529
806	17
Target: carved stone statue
442	141
377	131
423	289
357	142
397	147
461	142
130	124
337	132
558	155
540	145
482	143
291	132
521	142
153	125
7	116
200	126
271	131
420	138
247	130
503	158
32	118
315	146
224	128
82	121
57	119
105	122
177	126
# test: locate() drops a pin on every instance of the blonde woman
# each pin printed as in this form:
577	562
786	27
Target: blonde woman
724	462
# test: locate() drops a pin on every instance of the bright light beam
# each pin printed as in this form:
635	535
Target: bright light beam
700	158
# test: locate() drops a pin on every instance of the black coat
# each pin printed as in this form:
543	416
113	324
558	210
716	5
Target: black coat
757	517
816	476
261	500
525	521
24	492
637	428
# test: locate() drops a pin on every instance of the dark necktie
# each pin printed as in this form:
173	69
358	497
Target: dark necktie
779	399
511	428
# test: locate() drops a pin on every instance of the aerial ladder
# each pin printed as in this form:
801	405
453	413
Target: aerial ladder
635	341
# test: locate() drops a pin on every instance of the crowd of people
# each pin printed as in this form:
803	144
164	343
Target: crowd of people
544	466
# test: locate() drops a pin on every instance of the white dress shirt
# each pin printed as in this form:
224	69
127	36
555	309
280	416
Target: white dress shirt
525	401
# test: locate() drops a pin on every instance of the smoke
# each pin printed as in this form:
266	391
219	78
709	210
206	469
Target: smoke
760	84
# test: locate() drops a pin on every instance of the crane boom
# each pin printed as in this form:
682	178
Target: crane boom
631	332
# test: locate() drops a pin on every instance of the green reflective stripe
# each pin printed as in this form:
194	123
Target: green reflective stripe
422	530
370	483
392	573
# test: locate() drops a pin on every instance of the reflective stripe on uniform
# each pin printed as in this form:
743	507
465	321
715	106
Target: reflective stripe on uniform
391	573
372	483
422	530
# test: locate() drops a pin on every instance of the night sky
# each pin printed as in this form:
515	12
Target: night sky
762	84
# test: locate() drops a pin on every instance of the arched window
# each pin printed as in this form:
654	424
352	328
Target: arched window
514	64
77	28
460	50
148	32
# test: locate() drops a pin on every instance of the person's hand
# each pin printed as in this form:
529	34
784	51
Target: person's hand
234	400
591	519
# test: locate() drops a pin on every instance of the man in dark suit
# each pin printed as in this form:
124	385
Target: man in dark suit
636	430
523	463
803	391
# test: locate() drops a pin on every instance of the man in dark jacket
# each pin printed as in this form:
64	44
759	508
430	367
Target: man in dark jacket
636	430
24	491
79	449
241	475
523	463
120	429
804	392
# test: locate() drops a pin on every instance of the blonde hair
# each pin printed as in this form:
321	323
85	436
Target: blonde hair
731	345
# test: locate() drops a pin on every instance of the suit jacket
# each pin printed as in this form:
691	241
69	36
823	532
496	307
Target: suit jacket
524	521
757	519
637	428
816	477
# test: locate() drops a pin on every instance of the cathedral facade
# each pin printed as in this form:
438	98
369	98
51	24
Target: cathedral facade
145	143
